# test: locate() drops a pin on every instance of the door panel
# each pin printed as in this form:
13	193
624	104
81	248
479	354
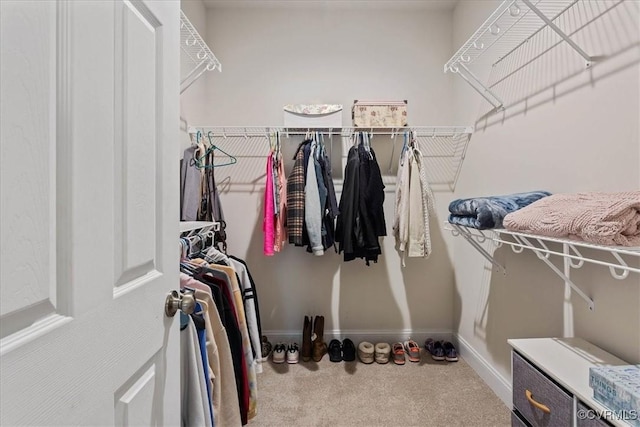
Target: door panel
89	212
134	406
27	166
135	117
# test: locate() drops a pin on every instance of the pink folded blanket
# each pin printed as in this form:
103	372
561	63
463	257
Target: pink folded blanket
600	218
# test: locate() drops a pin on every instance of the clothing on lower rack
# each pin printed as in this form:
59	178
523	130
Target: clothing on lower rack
227	311
195	402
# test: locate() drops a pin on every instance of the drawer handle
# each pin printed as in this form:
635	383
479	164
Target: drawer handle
543	408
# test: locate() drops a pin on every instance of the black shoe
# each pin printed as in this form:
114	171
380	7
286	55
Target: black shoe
450	353
335	351
348	350
435	348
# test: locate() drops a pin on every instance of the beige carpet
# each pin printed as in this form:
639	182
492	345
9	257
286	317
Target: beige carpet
427	393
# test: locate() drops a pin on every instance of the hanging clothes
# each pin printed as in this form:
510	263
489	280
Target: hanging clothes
281	201
210	207
199	196
226	409
227	306
414	202
401	215
296	198
312	205
249	299
331	205
361	219
225	302
190	188
268	224
275	199
196	410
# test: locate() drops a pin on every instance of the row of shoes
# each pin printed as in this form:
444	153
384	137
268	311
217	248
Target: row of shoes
314	347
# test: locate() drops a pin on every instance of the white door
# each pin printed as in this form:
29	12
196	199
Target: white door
88	214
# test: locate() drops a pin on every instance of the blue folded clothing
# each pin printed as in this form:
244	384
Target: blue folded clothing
488	212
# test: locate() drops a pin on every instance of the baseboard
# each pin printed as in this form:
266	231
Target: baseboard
500	385
358	335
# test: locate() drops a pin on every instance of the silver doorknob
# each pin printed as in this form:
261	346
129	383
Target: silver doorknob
176	301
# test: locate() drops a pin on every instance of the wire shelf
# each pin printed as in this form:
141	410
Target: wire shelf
188	228
197	57
620	260
509	27
443	148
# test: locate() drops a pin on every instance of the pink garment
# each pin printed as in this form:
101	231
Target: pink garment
281	232
187	281
600	218
268	226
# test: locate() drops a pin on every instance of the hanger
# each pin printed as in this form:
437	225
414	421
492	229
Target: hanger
366	143
201	161
188	268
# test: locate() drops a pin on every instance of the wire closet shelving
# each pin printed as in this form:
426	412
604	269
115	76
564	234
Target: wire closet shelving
619	259
197	57
510	26
443	147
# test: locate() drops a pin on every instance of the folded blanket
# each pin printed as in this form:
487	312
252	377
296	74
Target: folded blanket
488	212
600	218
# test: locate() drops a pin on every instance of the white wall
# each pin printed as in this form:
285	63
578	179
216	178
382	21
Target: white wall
586	139
330	54
193	100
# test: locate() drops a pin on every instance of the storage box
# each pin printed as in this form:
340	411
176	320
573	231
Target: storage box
618	386
313	116
630	416
386	114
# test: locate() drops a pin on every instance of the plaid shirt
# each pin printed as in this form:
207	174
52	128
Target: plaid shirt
295	200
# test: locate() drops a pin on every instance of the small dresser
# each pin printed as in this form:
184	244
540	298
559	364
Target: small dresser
550	378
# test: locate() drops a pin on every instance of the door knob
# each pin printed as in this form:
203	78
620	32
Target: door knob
176	301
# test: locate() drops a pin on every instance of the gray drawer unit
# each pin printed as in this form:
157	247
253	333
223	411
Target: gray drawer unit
537	398
586	422
516	421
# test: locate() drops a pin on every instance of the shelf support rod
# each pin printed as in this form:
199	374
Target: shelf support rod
569	330
184	87
558	31
469	238
478	86
556	270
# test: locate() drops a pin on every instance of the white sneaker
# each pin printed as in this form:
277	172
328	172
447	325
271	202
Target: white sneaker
278	353
412	349
293	353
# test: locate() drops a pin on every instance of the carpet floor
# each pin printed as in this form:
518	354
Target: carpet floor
427	393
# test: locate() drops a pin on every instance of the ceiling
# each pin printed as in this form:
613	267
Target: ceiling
350	4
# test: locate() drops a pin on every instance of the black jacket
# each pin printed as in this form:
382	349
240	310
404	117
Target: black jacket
361	219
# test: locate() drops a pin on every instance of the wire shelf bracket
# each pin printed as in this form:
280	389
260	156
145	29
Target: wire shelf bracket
197	55
614	257
508	27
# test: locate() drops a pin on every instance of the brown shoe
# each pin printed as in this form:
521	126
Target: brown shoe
319	346
306	339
